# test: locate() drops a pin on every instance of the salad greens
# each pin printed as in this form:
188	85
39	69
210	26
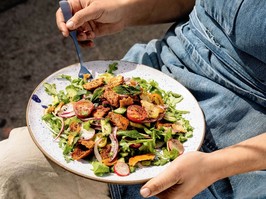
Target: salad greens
115	119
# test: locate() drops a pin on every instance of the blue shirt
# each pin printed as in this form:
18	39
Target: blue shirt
233	32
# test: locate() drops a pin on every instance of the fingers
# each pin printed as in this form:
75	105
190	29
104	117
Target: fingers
60	21
82	16
86	35
88	43
170	177
160	183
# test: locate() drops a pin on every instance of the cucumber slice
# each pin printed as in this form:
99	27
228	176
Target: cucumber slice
120	110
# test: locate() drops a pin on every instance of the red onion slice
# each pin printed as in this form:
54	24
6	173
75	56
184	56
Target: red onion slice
96	151
62	127
114	144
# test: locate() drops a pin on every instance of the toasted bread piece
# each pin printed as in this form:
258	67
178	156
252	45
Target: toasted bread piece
94	84
83	149
100	111
118	120
112	97
115	81
126	101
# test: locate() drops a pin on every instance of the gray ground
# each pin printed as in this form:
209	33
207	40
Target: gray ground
32	48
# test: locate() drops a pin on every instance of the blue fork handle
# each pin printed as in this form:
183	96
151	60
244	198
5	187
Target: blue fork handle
65	7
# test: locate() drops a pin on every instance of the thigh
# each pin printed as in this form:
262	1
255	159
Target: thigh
26	173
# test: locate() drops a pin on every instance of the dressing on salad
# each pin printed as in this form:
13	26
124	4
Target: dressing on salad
118	124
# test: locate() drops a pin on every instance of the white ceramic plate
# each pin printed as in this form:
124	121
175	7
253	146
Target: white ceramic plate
43	137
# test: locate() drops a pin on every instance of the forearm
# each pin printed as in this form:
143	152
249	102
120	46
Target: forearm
249	155
144	12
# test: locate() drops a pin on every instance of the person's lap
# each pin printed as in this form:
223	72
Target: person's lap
26	173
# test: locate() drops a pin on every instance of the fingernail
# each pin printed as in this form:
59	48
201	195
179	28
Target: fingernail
64	34
145	192
70	24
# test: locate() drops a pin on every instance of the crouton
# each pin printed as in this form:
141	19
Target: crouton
100	111
112	97
126	101
94	84
118	120
83	149
115	81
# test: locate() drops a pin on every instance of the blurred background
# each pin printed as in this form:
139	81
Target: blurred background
32	48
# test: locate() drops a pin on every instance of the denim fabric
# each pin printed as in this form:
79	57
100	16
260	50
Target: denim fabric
212	55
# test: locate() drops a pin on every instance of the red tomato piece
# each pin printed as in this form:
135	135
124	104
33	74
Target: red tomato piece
136	113
83	108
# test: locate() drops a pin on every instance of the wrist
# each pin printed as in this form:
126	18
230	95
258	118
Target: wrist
246	156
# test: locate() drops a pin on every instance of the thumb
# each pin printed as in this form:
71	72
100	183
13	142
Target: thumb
80	17
159	184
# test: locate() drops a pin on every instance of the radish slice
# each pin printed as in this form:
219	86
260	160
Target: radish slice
121	169
114	145
175	144
96	151
87	134
66	111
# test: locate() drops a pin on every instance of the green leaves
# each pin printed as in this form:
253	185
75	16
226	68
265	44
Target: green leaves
112	67
97	94
127	90
131	133
50	89
100	169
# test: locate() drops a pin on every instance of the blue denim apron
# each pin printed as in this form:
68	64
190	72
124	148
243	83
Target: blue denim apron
220	56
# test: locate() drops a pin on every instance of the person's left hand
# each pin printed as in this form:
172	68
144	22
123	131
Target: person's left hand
186	176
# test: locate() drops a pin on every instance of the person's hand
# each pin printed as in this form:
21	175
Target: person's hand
92	18
186	176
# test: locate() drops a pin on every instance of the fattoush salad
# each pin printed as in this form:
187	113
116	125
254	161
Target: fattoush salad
118	124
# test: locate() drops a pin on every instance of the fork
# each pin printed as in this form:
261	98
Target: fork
64	5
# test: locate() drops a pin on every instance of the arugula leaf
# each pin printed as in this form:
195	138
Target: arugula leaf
127	90
50	89
125	145
130	133
67	77
165	157
148	146
63	97
96	94
112	67
53	122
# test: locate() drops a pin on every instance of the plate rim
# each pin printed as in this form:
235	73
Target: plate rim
95	178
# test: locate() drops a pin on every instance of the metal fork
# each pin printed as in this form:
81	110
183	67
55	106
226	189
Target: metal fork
64	5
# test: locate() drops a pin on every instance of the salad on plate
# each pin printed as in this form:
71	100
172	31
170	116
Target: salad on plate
117	124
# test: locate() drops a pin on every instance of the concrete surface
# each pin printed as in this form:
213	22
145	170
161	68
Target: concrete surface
32	48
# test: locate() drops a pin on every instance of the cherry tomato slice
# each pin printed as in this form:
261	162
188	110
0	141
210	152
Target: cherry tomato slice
83	108
136	113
